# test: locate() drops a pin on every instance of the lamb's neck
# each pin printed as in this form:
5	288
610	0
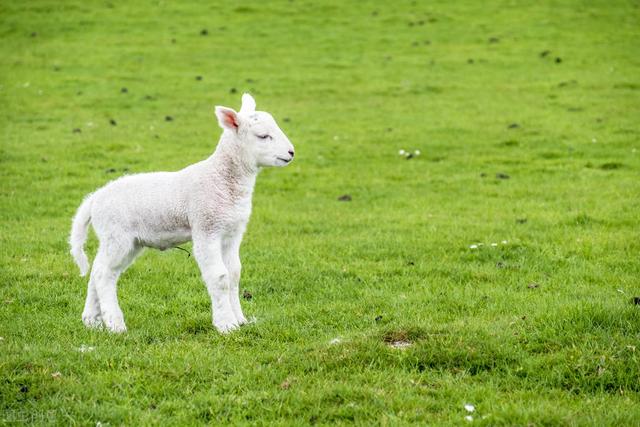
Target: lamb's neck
235	174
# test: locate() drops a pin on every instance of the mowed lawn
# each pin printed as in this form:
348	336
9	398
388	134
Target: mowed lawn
497	268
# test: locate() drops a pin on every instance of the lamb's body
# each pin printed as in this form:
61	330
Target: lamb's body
159	209
151	209
208	202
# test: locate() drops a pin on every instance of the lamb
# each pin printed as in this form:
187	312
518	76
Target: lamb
208	203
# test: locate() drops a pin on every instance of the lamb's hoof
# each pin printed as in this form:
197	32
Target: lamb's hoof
116	326
92	321
242	320
118	329
226	327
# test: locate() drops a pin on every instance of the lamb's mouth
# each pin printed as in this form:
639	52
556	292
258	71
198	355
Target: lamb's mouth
284	160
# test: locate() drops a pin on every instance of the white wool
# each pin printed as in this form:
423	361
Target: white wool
208	202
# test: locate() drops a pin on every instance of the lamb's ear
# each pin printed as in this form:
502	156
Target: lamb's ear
227	118
248	104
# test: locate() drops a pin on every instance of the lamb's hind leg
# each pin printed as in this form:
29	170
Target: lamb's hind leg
112	259
91	314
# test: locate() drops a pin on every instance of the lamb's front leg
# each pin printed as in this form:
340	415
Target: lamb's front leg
231	257
207	251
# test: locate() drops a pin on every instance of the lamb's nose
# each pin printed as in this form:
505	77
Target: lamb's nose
291	152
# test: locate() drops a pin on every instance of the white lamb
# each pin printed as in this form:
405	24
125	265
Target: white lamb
208	202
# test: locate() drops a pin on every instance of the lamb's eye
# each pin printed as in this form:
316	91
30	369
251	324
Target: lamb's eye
266	136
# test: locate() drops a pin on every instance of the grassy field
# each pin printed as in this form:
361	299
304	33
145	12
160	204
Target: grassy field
377	310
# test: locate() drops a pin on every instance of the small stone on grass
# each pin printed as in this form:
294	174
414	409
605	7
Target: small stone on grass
401	345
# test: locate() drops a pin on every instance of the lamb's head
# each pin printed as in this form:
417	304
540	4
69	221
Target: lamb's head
256	133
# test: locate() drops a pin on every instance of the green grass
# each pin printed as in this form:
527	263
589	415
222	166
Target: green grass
356	82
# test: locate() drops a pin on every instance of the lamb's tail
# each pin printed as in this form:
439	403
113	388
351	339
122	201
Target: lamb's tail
79	231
